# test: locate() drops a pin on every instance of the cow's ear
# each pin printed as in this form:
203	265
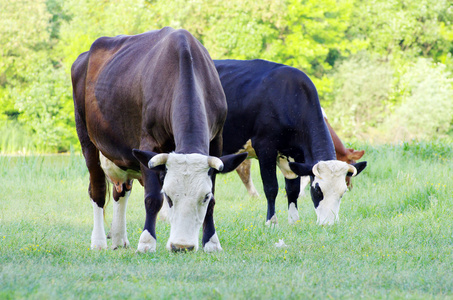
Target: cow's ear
360	166
301	169
232	161
144	157
355	154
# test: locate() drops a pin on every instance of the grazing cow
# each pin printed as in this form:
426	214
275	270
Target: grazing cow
277	108
347	155
151	107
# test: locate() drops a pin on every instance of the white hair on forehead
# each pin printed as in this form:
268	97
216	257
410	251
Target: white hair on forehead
188	172
333	166
193	162
191	158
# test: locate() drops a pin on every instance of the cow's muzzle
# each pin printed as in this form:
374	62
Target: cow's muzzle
181	248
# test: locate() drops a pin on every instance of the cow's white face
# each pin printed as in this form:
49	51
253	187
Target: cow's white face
188	190
327	188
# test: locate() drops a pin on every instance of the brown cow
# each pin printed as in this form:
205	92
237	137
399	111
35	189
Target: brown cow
158	92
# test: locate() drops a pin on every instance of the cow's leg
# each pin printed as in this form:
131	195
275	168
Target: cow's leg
244	173
118	231
268	164
164	211
153	203
304	180
210	240
97	187
97	191
292	192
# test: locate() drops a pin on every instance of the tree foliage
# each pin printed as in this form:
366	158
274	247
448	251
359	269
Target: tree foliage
377	64
405	28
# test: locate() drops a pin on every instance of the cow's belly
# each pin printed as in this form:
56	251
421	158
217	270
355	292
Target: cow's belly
283	164
116	175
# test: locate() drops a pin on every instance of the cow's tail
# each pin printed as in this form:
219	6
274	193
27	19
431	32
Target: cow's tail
107	202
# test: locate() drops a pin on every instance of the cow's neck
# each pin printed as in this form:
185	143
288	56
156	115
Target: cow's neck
321	145
190	127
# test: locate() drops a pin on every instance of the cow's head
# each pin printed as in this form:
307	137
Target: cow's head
327	185
188	190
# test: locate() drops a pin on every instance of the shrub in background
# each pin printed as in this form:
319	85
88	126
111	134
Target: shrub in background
390	101
360	100
425	110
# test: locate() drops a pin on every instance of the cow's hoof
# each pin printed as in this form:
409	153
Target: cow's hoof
147	243
213	245
272	222
254	195
293	214
122	242
98	244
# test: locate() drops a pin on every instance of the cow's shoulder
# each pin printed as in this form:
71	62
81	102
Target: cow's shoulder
112	43
263	72
290	76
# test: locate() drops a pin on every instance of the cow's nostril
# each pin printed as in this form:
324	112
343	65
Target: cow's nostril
181	248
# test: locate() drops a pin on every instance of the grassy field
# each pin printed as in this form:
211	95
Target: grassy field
394	239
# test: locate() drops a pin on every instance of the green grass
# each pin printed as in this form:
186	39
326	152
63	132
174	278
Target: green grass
14	139
394	239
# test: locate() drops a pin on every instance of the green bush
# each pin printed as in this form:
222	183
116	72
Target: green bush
426	106
359	101
391	101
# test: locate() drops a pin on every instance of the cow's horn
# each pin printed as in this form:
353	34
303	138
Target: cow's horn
158	160
353	170
315	171
215	162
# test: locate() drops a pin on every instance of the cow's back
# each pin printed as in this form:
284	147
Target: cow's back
271	101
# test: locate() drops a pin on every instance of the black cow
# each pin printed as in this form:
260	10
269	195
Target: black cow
277	108
158	92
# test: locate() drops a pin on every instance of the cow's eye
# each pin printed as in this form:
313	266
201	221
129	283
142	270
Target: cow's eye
170	203
207	197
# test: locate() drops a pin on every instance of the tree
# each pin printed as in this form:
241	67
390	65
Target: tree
23	40
395	28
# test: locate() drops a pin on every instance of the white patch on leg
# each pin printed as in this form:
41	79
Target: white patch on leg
304	181
118	232
272	222
147	242
293	214
98	238
213	244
